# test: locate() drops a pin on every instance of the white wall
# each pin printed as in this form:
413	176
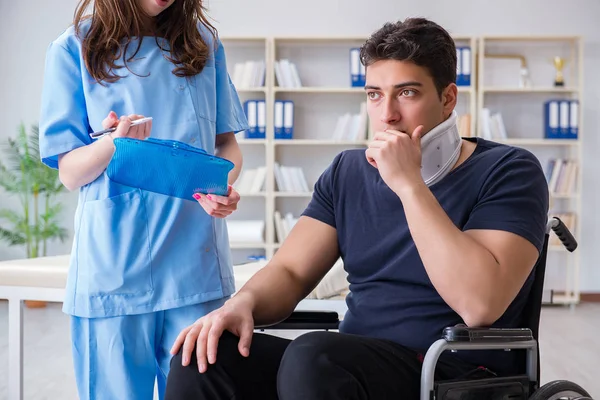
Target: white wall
26	28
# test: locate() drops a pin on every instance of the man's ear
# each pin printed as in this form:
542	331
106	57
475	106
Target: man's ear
449	98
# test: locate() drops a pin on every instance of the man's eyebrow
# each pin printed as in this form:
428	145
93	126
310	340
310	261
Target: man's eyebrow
396	86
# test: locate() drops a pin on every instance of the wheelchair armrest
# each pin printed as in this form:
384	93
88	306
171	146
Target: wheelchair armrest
307	320
461	333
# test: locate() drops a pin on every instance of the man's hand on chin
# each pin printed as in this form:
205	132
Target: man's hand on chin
397	156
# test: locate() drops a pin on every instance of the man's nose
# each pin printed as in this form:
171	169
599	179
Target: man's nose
389	112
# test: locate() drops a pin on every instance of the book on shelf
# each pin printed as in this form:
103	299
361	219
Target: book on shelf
249	74
251	180
256	113
284	119
561	119
290	179
561	175
283	225
245	231
492	125
286	74
352	127
357	69
463	66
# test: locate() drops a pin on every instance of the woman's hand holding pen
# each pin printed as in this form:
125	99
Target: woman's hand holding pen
219	206
124	128
85	164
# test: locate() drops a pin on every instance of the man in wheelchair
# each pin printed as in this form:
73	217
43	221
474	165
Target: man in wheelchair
434	230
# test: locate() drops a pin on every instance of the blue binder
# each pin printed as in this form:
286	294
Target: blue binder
574	119
563	129
250	107
261	119
463	66
357	76
551	119
288	119
278	116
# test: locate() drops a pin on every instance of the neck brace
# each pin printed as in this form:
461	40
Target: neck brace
440	148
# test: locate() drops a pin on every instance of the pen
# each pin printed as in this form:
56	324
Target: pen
96	135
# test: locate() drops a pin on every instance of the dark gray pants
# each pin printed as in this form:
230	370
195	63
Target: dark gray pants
317	366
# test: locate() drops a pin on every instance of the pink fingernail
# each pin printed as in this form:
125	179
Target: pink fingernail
196	196
208	196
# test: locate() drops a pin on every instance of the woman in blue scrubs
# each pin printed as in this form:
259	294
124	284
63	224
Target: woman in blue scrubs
143	265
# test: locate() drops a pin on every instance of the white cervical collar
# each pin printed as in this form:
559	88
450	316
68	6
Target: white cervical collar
440	148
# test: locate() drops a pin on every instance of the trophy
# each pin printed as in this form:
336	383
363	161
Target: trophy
559	64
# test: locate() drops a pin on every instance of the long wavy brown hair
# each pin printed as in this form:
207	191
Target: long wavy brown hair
114	23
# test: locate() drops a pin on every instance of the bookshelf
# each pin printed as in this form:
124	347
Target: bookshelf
516	77
314	74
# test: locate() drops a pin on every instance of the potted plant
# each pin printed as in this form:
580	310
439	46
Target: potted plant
36	221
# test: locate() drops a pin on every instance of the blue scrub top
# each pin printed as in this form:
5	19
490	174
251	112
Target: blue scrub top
136	251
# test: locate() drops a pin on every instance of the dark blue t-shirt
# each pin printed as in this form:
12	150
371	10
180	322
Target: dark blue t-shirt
391	297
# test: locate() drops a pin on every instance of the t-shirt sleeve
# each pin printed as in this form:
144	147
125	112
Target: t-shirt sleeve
322	203
63	117
515	199
230	114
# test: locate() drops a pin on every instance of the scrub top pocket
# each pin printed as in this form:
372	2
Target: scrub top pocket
114	250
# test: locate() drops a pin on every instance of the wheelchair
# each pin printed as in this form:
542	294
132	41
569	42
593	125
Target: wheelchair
524	385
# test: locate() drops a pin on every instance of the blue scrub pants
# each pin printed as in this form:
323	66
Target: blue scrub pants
120	357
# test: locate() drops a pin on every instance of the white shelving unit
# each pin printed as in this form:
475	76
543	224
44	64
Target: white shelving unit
501	89
323	68
253	206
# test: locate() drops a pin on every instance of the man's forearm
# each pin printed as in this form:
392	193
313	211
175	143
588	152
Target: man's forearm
462	270
273	293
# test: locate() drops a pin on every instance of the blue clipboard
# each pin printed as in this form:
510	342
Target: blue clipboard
168	167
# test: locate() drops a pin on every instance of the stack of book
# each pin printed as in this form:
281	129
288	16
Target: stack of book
290	179
249	74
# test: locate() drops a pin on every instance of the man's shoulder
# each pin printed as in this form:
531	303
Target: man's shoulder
502	151
499	157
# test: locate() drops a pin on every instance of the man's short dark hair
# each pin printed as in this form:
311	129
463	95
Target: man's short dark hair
416	40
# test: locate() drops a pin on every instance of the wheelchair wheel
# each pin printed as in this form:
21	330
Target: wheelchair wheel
560	390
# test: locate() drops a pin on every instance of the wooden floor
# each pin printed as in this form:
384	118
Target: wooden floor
570	349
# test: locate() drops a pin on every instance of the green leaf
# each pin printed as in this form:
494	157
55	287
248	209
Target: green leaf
11	216
9	180
13	239
53	231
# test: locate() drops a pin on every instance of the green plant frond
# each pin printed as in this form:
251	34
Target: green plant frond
23	140
48	179
9	180
52	231
52	212
13	238
12	216
14	156
34	143
58	187
23	174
